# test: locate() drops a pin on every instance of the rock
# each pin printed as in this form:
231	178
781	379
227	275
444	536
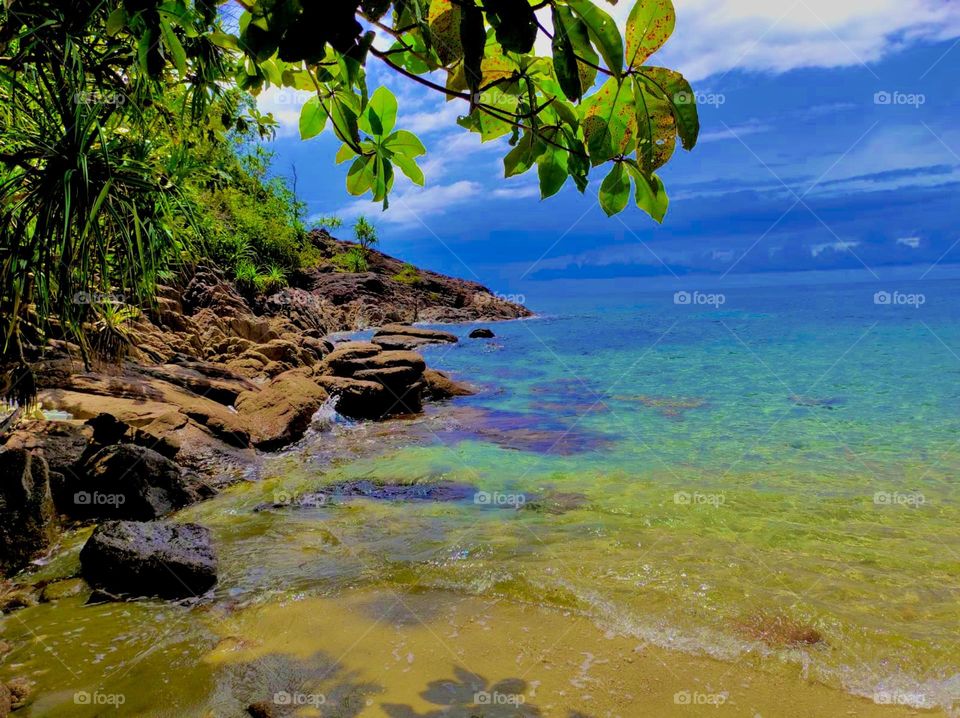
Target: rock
348	365
108	429
280	413
20	690
6	701
282	351
345	353
395	341
150	559
482	334
126	481
439	386
405	330
262	709
66	588
222	389
13	598
358	399
28	520
62	443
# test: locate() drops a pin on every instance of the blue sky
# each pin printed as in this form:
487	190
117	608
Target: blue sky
801	165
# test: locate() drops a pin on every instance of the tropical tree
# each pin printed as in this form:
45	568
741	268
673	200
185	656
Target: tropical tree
104	104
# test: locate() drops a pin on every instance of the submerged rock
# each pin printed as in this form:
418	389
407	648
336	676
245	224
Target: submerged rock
482	333
66	588
150	559
28	520
364	489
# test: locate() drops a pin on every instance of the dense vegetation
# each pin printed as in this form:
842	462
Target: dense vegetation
126	129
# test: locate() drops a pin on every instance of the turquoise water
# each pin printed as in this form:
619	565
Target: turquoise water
770	482
788	455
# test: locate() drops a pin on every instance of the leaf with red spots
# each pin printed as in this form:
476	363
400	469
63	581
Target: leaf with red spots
649	26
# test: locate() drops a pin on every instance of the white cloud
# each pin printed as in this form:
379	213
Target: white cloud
912	242
840	246
521	192
285	104
412	207
716	36
753	127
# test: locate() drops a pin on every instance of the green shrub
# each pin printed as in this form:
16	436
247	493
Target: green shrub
353	260
408	274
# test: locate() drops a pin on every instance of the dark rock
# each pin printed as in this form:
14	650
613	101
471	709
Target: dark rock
28	520
280	414
263	709
150	559
108	429
126	481
222	389
439	386
61	443
359	399
482	334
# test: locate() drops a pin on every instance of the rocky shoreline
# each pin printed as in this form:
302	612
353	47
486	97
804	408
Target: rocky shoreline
213	380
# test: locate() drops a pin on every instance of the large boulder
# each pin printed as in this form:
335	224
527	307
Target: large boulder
482	333
406	330
438	386
125	481
150	559
28	520
280	413
362	399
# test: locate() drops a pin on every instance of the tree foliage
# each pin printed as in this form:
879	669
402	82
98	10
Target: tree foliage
109	110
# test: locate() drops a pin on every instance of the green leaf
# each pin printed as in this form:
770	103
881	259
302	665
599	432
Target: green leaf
656	128
603	31
651	195
313	118
473	39
409	167
514	24
565	60
405	143
360	177
615	190
609	122
522	157
172	42
117	21
579	36
381	113
552	171
344	153
489	126
683	104
444	21
344	120
649	26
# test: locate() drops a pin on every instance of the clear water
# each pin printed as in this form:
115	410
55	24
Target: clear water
684	472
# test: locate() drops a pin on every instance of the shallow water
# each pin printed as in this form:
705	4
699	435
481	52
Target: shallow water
646	474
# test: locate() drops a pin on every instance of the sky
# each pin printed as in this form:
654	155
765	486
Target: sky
829	141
